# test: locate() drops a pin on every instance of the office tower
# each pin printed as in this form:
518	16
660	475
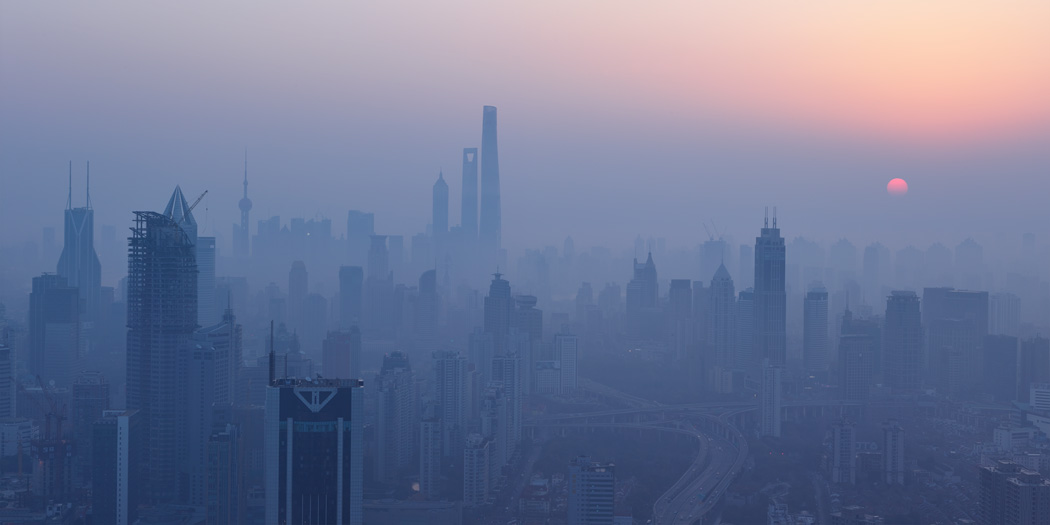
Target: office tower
7	378
643	295
227	337
481	350
680	318
351	295
396	417
207	307
225	491
360	226
439	208
499	310
78	263
298	287
1010	493
452	394
118	440
592	491
314	451
241	233
508	370
396	254
55	330
468	214
999	368
815	352
892	453
430	453
566	351
495	425
315	324
490	232
843	457
956	322
162	316
770	298
745	357
902	342
746	271
584	299
713	253
425	314
179	211
90	399
856	365
721	313
207	387
341	354
377	315
770	399
1033	365
1004	314
476	470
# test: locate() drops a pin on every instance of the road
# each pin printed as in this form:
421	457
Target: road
702	486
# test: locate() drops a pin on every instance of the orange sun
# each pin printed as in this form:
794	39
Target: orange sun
897	187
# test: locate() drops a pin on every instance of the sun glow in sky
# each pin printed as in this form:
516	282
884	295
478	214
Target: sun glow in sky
762	102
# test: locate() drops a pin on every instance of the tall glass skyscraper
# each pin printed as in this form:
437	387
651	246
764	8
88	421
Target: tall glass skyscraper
491	214
770	296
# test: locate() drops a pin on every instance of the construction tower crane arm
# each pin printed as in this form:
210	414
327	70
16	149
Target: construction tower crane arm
198	201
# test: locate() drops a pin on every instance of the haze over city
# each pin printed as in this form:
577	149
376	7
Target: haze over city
588	262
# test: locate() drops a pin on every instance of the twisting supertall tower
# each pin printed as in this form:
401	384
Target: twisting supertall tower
491	221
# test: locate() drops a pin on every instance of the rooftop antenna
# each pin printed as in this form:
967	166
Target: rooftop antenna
774	217
766	224
69	199
87	191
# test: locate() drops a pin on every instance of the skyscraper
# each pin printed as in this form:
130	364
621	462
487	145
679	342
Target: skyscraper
55	336
313	451
843	453
341	354
396	417
815	354
468	215
744	357
902	342
430	453
118	440
592	491
893	453
499	311
377	313
241	232
770	296
90	399
207	307
680	318
452	394
162	316
770	399
856	365
477	471
439	209
298	287
643	295
491	215
720	317
79	262
351	295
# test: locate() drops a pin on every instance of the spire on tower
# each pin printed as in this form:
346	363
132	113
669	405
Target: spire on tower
88	190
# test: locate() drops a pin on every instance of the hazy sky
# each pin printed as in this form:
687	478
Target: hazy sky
615	118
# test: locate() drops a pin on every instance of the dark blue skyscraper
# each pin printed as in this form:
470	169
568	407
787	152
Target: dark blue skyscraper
79	262
162	316
491	221
468	215
770	308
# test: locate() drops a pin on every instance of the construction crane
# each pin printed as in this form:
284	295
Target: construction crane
198	201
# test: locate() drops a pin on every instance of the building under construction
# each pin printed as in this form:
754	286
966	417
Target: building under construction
162	316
